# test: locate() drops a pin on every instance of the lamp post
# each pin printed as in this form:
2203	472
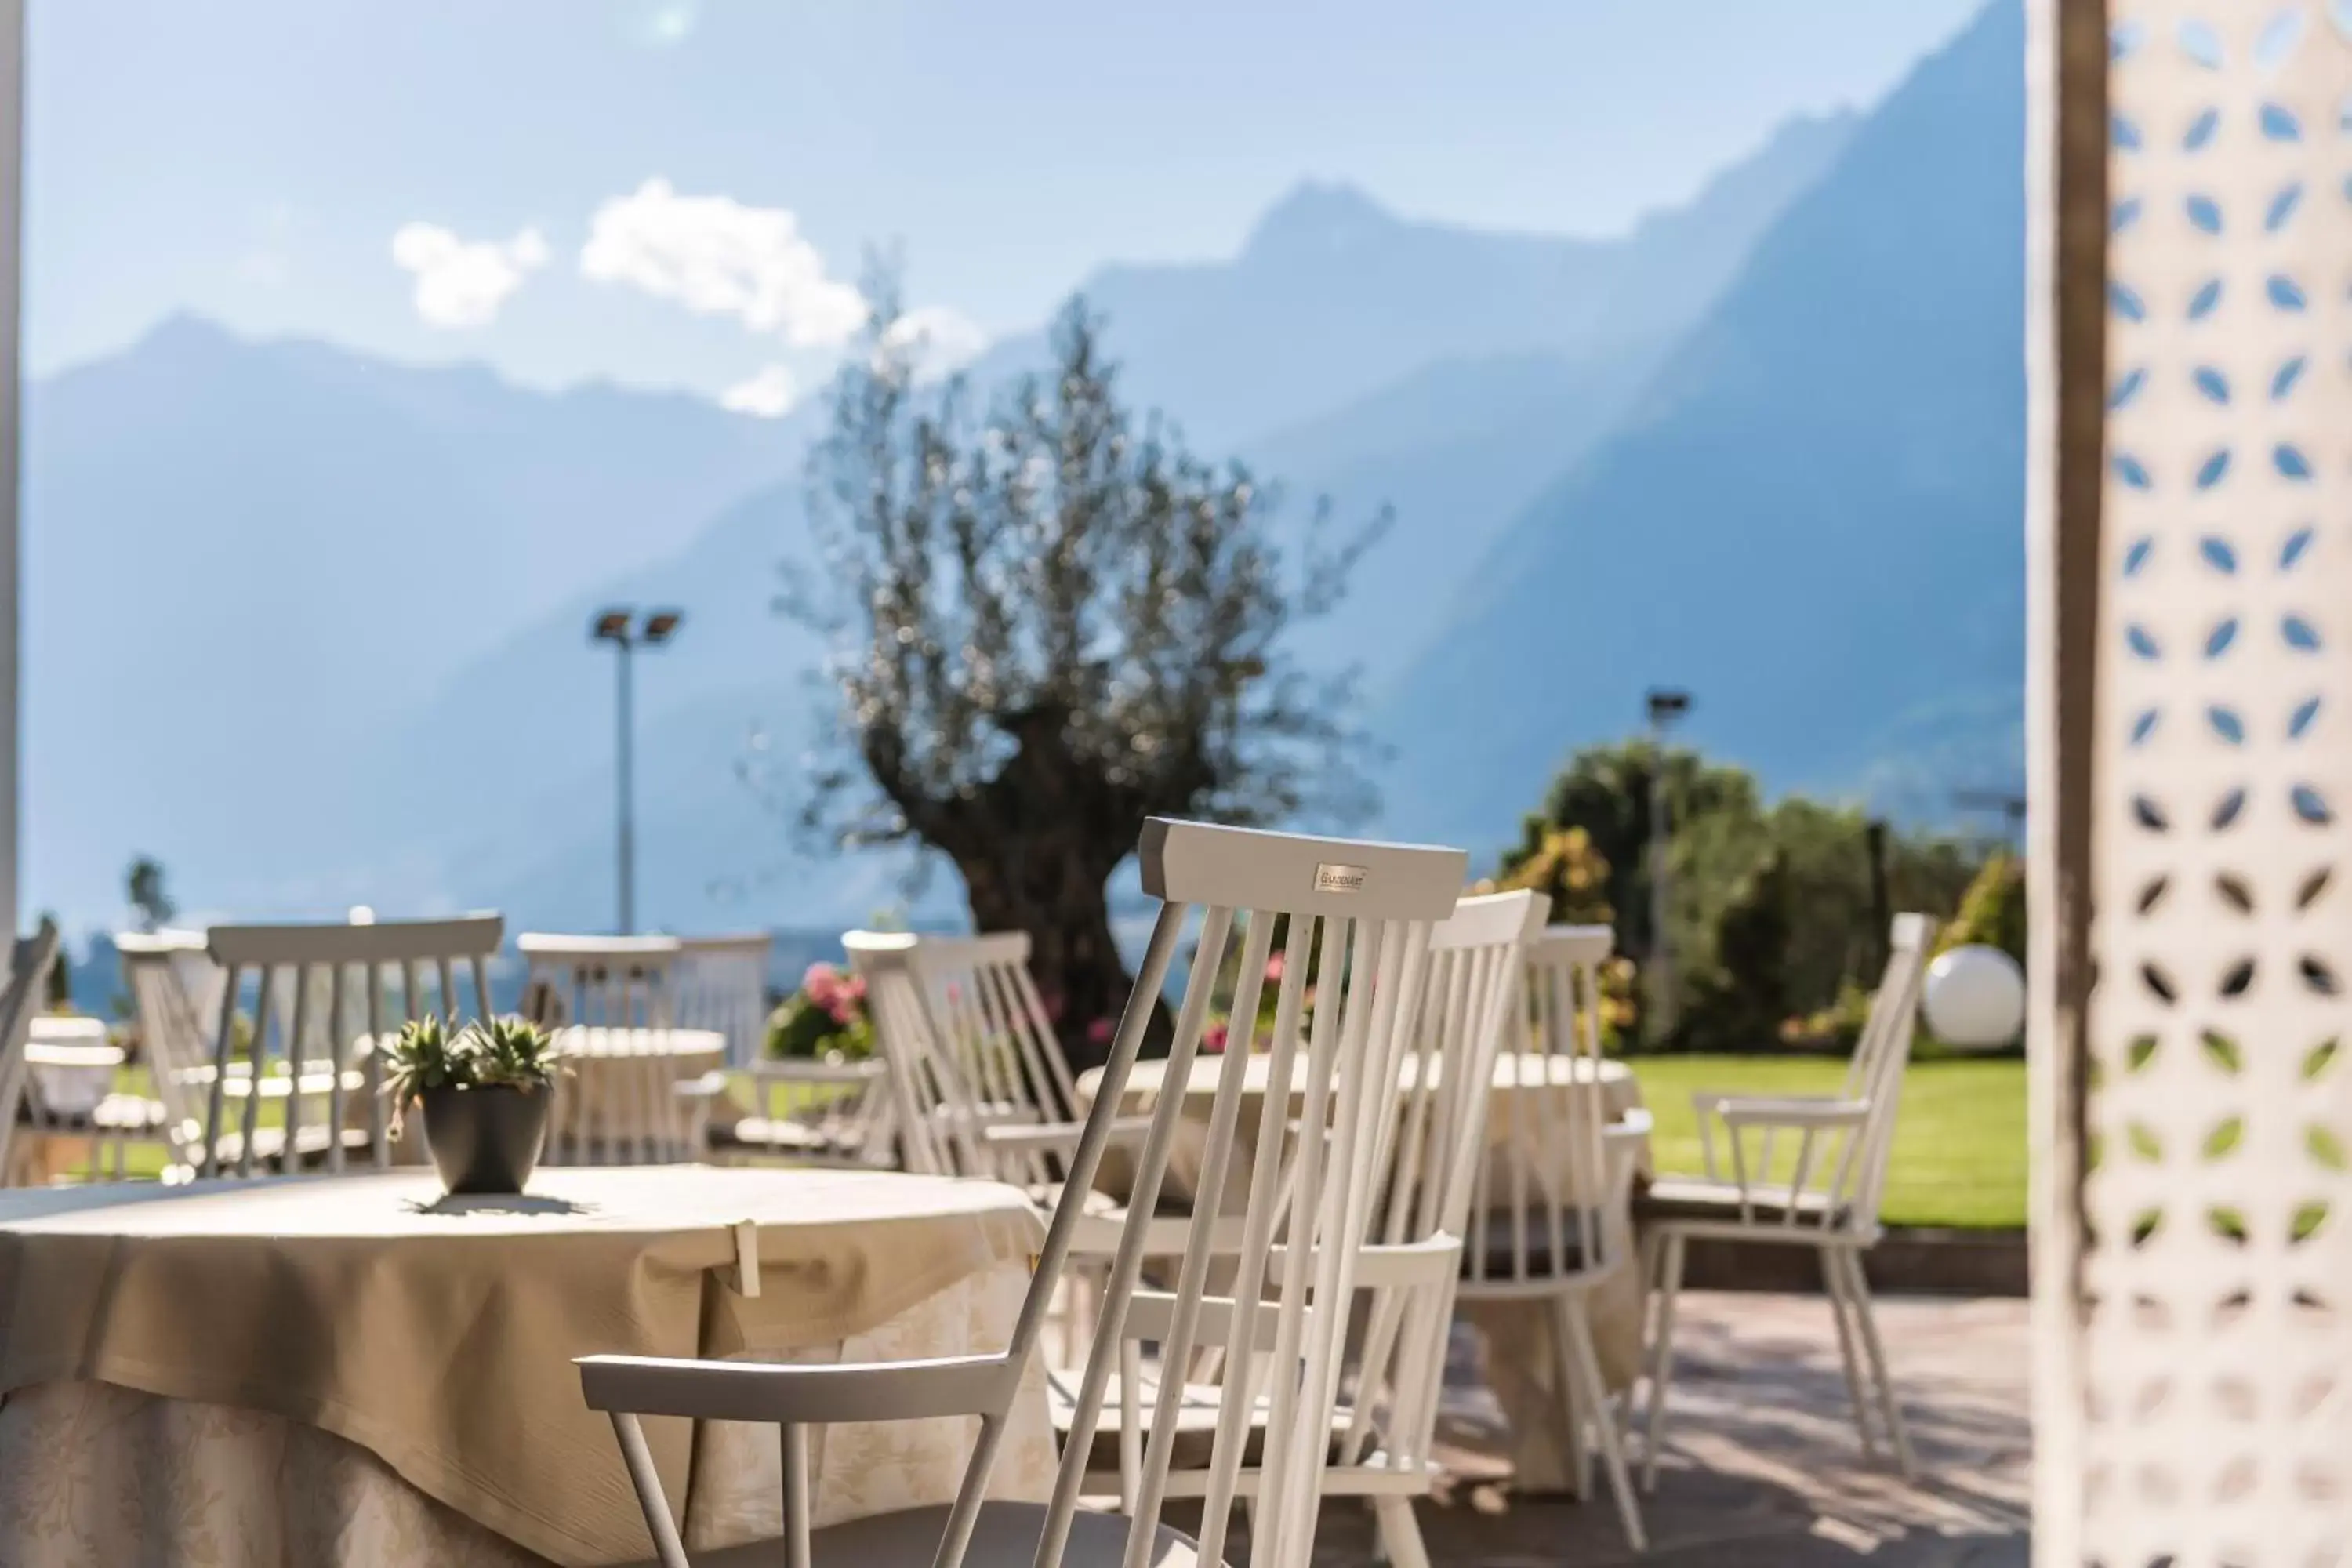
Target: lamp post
1664	707
621	628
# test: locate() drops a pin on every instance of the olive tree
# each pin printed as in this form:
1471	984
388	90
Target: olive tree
1051	620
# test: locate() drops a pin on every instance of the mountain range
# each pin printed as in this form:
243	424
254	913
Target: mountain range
312	629
1810	518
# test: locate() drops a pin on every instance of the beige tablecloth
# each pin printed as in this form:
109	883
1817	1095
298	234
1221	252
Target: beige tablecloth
1520	1360
436	1334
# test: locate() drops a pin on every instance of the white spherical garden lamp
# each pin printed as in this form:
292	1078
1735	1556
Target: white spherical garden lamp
1975	998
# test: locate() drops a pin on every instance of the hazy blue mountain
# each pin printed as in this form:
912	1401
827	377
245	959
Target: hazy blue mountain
246	562
1332	296
1812	519
1455	450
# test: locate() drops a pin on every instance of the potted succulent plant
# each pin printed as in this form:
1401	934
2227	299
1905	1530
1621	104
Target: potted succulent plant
485	1097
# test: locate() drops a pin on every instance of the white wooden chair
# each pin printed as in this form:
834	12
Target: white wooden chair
723	984
626	1101
1280	1327
1826	1197
978	1078
73	1101
29	973
931	1106
813	1112
317	990
822	1112
175	989
1557	1227
1431	1156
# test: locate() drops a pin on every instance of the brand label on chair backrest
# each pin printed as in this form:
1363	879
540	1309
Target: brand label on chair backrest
1334	879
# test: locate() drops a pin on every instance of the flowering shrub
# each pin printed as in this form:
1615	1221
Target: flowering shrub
826	1015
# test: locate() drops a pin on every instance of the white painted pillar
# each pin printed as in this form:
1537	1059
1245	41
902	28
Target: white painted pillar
12	234
2192	630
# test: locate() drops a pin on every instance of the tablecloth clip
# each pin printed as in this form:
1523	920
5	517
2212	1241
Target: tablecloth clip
746	1257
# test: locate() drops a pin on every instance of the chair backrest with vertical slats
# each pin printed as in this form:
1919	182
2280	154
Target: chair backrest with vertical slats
1359	916
1363	913
723	984
29	973
621	1103
1432	1163
175	989
604	982
1540	1211
1877	1075
935	1110
987	1019
317	989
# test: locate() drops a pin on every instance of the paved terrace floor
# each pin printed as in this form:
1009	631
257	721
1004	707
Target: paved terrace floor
1762	1469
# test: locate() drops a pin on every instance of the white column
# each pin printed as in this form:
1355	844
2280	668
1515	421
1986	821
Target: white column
12	230
2195	1280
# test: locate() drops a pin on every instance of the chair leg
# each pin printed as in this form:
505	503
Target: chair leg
1662	1359
1573	1402
1581	1364
1580	1437
1833	1280
1400	1532
1875	1349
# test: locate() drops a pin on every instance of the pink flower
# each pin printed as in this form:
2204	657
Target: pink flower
1273	969
1213	1039
843	997
1098	1033
822	984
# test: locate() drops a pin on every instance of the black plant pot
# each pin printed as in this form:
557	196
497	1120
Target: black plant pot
484	1139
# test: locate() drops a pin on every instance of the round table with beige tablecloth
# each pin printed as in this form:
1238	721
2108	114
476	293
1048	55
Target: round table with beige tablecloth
357	1370
1520	1359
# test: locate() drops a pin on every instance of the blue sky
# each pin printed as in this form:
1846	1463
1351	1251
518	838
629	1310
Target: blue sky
424	178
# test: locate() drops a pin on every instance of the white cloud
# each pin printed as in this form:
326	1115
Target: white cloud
942	339
461	282
718	258
769	394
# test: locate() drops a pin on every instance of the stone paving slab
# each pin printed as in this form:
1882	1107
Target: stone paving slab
1761	1465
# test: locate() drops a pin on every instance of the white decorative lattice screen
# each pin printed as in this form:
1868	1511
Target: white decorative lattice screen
2215	1357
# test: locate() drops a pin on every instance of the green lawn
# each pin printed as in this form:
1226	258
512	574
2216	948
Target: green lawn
1960	1141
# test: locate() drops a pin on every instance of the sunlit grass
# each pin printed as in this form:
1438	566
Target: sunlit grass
1960	1136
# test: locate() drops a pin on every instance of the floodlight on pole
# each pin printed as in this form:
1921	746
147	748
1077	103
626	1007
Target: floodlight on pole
619	625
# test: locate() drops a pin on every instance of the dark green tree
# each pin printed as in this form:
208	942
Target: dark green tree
1605	791
150	903
1798	874
59	982
1741	999
1052	620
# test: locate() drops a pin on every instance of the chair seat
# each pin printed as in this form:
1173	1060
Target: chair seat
1005	1536
1197	1414
121	1113
782	1135
1501	1260
1697	1198
270	1146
